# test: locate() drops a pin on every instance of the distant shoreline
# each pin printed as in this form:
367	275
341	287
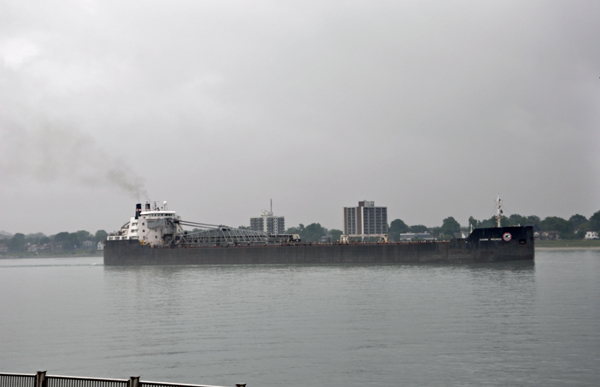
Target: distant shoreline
566	244
81	254
569	248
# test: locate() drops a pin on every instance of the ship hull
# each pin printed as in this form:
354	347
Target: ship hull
504	244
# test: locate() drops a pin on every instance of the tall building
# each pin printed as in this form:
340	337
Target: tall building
268	222
366	219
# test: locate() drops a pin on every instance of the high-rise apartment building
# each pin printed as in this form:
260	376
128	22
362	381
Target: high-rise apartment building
268	222
366	219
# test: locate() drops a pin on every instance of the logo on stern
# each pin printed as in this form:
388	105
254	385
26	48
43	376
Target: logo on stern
506	236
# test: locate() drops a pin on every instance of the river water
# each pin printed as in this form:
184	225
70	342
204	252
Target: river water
267	326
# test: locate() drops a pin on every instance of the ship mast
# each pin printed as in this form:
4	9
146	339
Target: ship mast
499	211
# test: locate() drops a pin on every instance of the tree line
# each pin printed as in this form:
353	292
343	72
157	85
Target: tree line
314	232
61	241
573	228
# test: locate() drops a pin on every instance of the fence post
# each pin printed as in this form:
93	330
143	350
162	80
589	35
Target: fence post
40	379
134	381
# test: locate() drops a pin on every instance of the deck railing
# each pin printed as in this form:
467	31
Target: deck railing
40	379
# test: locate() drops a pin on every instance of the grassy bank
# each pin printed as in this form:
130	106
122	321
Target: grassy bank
579	244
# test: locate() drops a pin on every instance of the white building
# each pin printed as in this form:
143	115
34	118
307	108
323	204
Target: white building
591	235
269	223
366	219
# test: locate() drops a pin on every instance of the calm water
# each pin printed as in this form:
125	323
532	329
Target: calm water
513	324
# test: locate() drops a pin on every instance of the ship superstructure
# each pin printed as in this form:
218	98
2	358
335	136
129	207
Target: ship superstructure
157	226
150	225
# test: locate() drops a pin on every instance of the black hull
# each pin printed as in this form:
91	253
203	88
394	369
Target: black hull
488	245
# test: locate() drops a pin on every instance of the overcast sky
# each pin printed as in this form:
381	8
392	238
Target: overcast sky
430	108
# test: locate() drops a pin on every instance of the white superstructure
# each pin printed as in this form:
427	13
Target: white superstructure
150	225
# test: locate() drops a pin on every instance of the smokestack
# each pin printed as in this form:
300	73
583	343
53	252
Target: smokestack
138	209
271	206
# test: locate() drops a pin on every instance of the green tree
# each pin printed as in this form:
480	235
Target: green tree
513	220
516	219
577	221
594	222
418	228
555	223
17	242
313	232
491	222
34	239
295	230
100	236
435	232
61	236
473	222
83	235
450	226
69	241
335	234
396	228
533	220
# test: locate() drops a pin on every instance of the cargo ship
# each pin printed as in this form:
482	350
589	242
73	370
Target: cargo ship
155	235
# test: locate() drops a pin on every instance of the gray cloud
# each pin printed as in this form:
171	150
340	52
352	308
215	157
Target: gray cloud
430	108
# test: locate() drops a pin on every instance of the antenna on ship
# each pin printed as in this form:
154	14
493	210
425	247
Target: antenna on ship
499	211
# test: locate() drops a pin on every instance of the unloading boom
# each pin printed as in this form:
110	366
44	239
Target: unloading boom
227	236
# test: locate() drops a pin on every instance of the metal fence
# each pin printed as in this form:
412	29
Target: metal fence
17	380
40	379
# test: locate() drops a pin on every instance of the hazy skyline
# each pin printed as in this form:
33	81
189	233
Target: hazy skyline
430	108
